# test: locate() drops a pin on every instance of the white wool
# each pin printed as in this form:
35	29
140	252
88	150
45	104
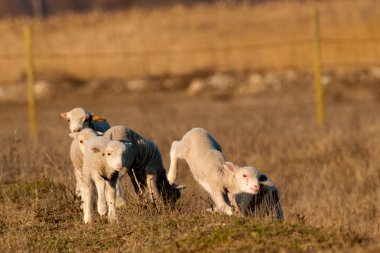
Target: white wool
96	171
144	162
78	119
81	120
76	153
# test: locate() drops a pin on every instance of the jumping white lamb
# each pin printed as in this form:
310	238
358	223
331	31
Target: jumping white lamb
78	119
224	181
144	164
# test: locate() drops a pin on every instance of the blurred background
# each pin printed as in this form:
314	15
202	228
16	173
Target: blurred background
146	45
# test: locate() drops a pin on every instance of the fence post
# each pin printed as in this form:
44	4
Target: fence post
28	38
320	110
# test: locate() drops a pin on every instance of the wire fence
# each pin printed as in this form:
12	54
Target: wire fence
196	50
313	47
299	53
249	49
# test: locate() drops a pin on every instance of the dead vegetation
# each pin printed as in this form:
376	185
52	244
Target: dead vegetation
52	222
328	177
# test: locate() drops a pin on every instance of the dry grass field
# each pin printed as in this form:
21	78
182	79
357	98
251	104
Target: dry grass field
329	177
178	40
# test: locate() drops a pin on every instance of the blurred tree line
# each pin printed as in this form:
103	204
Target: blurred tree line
49	7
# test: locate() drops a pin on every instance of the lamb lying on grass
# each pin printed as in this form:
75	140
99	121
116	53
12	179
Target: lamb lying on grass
222	180
78	119
265	203
144	163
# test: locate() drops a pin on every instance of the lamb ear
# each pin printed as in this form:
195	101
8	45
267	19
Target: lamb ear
180	187
97	150
73	135
88	114
264	180
64	115
231	167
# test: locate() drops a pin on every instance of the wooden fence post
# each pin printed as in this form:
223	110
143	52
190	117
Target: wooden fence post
28	40
320	110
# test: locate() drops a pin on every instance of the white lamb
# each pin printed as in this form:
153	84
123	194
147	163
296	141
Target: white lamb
144	165
97	152
219	178
78	119
76	154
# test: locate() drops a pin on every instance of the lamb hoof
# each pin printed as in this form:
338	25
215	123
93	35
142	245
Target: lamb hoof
121	203
102	211
112	219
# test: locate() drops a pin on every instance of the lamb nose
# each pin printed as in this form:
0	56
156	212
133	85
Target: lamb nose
119	165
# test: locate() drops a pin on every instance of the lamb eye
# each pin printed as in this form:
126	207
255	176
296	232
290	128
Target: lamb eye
245	175
68	120
109	154
81	141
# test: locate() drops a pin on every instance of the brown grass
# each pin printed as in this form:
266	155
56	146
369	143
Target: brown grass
328	177
91	45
